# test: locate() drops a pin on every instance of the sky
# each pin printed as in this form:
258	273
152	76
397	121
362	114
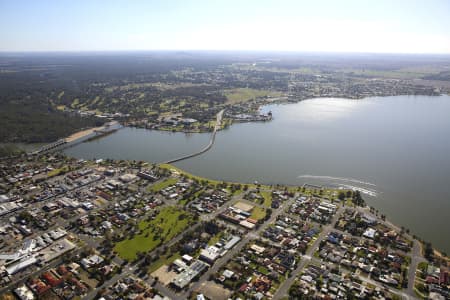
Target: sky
376	26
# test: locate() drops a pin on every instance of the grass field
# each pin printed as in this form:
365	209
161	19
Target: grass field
75	103
327	192
267	198
168	223
236	192
258	213
401	73
158	85
165	259
245	94
96	99
210	181
179	171
56	172
162	185
215	239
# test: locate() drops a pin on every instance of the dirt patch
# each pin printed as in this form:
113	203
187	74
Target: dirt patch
84	276
214	291
243	206
164	275
100	201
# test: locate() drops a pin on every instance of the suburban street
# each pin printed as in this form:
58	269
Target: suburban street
245	240
416	258
284	288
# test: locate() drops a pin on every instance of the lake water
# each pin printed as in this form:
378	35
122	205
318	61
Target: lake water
396	149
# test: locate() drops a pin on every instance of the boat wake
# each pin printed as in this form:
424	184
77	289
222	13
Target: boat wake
366	191
337	178
364	187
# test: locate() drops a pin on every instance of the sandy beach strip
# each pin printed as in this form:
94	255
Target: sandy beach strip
83	133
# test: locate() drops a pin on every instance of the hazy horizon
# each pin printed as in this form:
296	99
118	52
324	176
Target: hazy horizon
387	27
220	51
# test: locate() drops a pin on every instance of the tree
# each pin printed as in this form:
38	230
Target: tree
428	251
26	216
322	244
357	199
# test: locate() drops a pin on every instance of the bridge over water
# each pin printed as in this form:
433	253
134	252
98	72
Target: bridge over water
207	147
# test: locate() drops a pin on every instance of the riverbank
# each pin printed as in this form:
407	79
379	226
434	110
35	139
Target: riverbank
81	134
84	133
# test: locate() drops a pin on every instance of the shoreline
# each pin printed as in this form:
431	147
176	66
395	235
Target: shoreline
83	133
265	185
80	134
277	101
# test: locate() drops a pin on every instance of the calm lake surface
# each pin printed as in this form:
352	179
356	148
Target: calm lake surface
395	149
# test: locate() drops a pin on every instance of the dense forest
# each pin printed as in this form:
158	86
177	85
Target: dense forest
40	93
36	123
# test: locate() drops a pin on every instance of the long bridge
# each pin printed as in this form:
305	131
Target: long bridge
207	147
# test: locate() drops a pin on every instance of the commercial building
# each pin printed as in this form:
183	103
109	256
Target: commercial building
185	277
